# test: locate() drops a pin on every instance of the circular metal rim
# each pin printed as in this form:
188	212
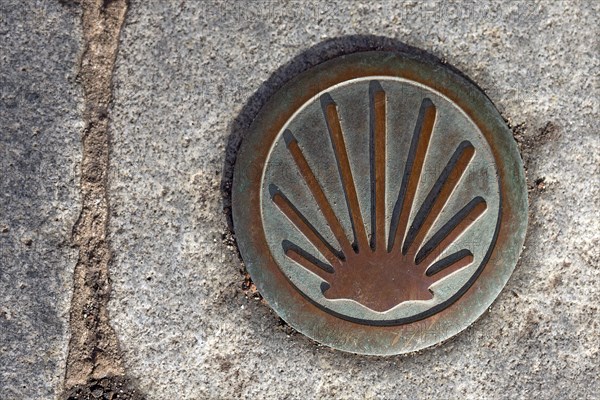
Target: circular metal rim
278	291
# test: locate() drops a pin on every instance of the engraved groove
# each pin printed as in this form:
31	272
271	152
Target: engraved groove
450	264
307	260
378	137
412	172
439	195
317	192
302	224
448	233
339	148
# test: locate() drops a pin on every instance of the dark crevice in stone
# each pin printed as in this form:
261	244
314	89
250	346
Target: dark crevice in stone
108	388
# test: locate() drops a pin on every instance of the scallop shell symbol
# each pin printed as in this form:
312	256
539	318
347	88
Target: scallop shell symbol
376	271
379	202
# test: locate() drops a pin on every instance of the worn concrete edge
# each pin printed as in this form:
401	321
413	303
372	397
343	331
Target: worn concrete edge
94	366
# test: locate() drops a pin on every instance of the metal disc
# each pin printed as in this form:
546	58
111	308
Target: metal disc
379	203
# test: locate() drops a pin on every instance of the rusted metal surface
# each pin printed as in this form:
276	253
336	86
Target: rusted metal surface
379	203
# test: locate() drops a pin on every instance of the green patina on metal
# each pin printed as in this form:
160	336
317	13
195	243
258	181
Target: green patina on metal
379	202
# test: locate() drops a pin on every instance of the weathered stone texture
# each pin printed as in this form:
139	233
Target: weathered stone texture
40	108
184	73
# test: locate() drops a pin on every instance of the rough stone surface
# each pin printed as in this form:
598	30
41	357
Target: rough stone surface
39	199
184	74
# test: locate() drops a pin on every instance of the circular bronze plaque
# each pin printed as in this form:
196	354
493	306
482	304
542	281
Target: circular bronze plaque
379	203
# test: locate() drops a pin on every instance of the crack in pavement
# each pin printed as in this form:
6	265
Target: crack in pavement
94	365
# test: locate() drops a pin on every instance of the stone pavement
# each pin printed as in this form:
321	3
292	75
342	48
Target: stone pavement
40	153
188	79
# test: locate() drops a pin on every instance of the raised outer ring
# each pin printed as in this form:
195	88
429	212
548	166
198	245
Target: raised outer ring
284	298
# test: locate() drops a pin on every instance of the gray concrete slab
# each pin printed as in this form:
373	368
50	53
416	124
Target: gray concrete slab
190	73
39	199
